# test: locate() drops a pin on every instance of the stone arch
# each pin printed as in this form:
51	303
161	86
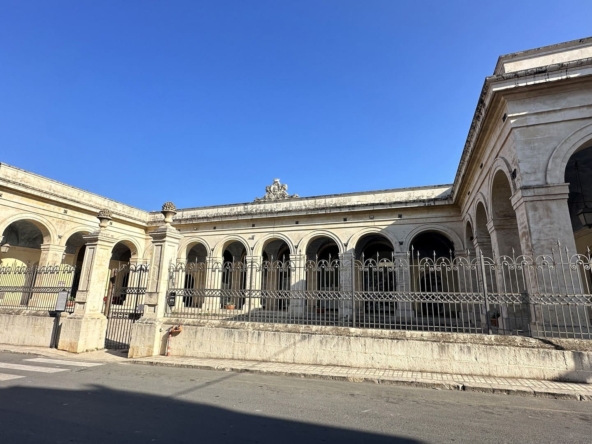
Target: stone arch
134	246
306	240
447	232
500	164
260	245
570	145
469	234
68	234
354	238
505	235
221	245
47	229
188	243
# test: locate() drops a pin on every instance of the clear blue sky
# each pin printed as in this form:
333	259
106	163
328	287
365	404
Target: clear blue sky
204	103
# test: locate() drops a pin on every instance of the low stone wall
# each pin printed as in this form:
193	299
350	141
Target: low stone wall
486	355
27	327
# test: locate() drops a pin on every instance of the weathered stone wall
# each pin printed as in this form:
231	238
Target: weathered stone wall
27	327
483	355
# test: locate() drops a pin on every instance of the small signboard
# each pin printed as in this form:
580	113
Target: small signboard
171	300
62	300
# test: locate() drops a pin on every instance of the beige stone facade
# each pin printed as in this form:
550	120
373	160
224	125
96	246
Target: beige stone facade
516	191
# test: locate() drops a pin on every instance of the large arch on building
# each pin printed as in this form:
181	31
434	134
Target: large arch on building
503	216
558	160
263	243
188	244
444	231
46	228
306	241
21	241
578	173
224	243
353	241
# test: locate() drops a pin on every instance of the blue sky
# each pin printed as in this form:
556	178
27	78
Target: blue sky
204	103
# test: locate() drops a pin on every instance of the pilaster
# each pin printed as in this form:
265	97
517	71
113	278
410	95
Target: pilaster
84	330
147	334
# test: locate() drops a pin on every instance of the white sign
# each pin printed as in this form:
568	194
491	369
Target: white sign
62	300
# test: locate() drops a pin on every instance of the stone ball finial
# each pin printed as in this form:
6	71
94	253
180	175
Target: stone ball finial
104	217
169	210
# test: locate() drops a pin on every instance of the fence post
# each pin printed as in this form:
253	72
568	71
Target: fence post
484	289
353	289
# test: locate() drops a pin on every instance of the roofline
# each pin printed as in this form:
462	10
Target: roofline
323	196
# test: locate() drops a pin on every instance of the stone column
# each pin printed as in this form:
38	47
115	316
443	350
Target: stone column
85	329
147	338
297	285
51	254
253	302
543	219
346	287
405	310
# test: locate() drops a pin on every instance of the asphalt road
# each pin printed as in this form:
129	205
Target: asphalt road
126	403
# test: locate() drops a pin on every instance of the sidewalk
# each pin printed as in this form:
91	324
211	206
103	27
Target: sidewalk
484	384
441	381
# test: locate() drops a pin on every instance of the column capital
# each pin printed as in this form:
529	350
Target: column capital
165	233
559	191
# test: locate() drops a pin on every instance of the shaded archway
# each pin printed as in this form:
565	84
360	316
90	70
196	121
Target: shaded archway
195	276
21	241
234	275
578	173
469	238
482	239
276	275
505	234
375	275
431	254
74	255
322	274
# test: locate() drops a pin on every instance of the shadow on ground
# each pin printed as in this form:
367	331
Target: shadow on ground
101	415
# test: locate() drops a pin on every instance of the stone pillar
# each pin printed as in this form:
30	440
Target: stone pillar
147	334
51	254
543	219
85	329
253	302
346	287
405	310
297	285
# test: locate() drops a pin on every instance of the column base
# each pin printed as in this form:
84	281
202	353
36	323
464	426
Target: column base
405	311
84	333
148	339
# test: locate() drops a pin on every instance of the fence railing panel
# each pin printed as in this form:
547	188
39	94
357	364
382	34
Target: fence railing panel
547	296
36	287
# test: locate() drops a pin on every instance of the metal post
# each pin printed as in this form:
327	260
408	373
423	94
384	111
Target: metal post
353	289
485	298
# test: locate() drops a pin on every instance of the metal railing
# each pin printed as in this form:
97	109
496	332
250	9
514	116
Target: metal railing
36	287
546	296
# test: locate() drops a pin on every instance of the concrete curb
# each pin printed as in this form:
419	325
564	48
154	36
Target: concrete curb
584	395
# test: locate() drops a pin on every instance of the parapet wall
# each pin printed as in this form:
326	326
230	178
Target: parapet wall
478	355
27	327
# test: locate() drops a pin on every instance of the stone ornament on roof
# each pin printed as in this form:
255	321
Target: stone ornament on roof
276	191
168	211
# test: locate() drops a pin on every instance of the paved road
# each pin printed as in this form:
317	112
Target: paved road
56	401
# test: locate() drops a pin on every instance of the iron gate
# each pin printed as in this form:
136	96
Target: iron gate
124	304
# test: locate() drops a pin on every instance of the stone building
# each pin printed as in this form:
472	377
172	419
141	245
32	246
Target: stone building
523	185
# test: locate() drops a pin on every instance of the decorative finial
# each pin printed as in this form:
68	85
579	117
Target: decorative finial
169	210
276	191
104	217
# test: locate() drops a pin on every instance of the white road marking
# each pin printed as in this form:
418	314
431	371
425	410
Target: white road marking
30	368
5	377
61	362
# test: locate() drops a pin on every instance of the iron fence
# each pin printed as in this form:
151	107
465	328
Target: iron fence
124	303
546	296
33	287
